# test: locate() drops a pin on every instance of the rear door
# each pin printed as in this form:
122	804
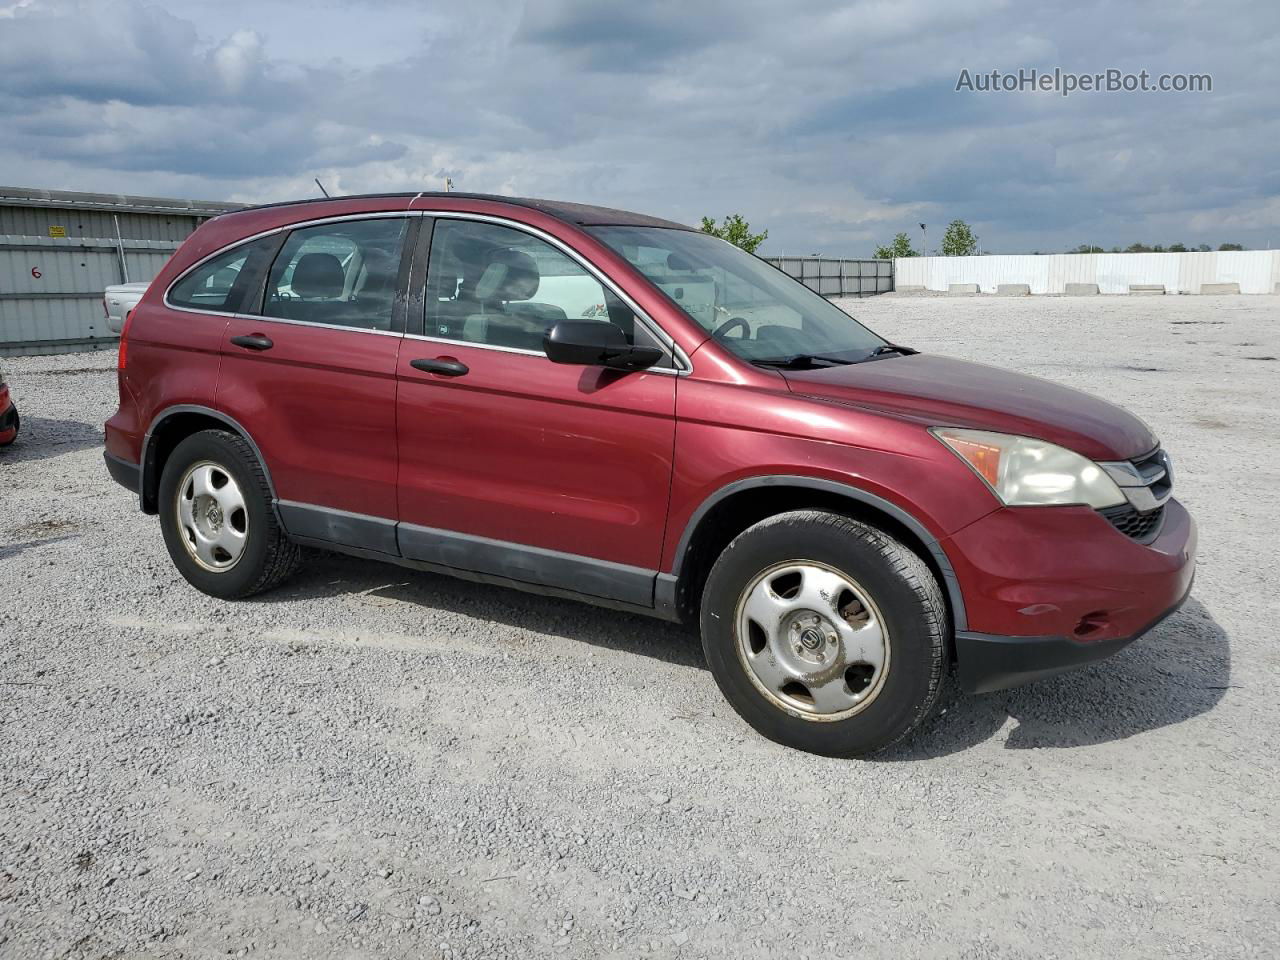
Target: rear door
309	371
513	465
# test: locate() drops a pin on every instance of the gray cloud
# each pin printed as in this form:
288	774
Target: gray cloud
835	125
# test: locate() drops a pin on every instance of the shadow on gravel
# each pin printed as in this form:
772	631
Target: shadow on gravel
1178	671
10	550
41	438
327	574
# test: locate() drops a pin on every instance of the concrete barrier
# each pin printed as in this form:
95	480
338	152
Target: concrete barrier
962	288
910	288
1013	290
1147	289
1257	271
1218	289
1081	290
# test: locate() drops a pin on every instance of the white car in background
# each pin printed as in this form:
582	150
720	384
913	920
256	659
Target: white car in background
119	299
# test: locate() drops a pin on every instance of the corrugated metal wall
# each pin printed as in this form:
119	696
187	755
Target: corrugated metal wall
1257	271
97	224
60	250
833	277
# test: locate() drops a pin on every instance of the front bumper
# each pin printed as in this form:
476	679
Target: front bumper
986	663
1049	589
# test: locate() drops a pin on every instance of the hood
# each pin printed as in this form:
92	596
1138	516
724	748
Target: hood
949	392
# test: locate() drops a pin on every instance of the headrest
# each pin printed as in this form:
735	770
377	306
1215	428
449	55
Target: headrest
509	275
319	276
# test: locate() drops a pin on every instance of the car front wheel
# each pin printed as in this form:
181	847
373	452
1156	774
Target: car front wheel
824	633
218	523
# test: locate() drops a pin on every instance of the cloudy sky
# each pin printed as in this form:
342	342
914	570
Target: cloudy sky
834	125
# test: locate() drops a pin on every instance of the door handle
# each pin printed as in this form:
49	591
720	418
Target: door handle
255	342
446	368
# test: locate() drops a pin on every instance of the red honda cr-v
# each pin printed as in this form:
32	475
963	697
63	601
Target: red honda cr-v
601	405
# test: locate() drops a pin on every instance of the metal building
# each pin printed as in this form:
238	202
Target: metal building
59	250
835	277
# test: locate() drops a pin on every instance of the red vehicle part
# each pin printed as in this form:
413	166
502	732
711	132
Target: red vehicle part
10	422
622	488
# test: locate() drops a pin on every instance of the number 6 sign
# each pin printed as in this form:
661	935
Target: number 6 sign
35	272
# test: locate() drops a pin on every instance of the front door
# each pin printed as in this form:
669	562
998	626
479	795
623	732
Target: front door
510	464
310	373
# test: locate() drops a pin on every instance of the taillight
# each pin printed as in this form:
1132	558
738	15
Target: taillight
123	358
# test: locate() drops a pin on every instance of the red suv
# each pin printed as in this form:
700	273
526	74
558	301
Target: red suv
601	405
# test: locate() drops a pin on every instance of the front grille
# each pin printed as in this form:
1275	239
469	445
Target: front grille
1137	526
1147	484
1156	473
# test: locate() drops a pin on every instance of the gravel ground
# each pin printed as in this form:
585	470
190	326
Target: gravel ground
373	763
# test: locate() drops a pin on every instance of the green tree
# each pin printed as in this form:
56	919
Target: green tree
900	247
1087	248
1230	246
959	240
736	230
1137	248
1177	248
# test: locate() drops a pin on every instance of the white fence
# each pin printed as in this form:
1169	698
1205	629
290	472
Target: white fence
1257	271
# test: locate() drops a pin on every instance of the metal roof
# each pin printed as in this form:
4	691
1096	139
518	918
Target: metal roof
118	203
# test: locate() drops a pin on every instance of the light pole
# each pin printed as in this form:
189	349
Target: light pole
924	233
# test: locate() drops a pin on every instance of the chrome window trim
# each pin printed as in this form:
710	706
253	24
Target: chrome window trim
302	224
310	323
477	346
685	365
665	371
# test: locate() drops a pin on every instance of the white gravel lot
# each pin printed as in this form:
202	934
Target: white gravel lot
375	763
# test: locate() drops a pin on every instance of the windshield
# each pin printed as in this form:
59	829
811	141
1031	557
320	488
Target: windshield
754	309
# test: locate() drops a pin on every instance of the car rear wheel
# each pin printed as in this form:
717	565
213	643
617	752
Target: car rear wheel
218	523
824	633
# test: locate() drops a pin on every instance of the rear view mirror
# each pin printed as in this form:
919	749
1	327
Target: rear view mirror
598	344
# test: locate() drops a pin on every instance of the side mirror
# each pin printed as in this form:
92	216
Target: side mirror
598	344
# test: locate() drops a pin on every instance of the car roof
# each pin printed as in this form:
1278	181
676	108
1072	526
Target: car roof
580	214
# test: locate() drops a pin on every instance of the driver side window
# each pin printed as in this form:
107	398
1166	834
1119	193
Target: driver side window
496	286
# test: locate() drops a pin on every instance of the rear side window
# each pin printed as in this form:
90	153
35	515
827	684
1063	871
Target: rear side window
343	274
220	283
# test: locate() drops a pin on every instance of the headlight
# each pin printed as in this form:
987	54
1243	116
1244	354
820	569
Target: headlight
1024	472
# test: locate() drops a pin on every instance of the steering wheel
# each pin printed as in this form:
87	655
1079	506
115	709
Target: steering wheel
721	331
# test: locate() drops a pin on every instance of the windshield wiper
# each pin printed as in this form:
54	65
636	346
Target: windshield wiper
888	348
801	361
808	361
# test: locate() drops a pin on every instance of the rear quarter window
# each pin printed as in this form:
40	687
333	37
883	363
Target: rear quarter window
221	282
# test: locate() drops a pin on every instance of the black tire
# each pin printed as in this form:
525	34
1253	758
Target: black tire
899	584
17	428
269	556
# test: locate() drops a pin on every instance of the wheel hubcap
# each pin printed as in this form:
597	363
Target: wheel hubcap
212	516
812	640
